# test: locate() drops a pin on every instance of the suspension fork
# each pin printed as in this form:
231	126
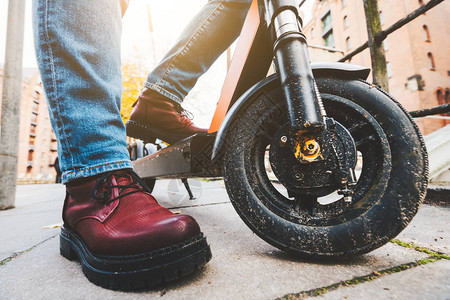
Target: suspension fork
305	109
310	130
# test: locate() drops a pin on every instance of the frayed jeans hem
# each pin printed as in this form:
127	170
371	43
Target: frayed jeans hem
95	170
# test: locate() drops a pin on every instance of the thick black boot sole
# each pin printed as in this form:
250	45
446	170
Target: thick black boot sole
150	134
136	271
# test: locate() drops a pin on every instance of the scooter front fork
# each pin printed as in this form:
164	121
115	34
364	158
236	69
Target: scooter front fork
310	131
305	109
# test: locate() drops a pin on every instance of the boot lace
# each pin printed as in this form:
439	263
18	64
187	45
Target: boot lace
105	181
186	114
186	117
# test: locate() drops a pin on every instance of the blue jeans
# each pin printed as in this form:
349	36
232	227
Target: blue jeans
207	36
78	52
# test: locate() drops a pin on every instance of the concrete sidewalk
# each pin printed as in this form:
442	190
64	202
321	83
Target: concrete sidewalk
243	265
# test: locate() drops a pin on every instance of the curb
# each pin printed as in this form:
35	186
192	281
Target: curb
438	194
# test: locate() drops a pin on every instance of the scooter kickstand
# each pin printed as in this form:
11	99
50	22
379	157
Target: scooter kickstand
188	188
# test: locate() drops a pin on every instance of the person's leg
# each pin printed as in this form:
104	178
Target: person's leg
207	36
78	51
111	222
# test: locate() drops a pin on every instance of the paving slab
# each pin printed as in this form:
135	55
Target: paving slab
429	228
431	281
22	227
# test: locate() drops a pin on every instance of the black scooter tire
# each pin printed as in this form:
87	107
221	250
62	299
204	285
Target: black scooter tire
389	201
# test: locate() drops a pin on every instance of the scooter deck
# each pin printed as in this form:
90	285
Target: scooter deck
187	158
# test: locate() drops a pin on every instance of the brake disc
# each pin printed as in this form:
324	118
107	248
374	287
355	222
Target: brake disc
319	177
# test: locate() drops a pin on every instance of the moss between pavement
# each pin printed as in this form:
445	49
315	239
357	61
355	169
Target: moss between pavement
433	257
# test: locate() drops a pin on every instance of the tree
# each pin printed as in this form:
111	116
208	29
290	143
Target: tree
133	77
379	66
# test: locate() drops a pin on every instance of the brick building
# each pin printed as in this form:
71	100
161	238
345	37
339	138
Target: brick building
418	54
37	142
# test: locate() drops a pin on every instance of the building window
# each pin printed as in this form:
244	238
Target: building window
35	106
426	33
313	33
33	129
326	22
344	3
389	69
346	24
381	18
415	83
327	27
385	45
431	64
34	118
348	43
329	39
32	140
53	147
443	98
30	155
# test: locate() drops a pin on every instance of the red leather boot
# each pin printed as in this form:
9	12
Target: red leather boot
155	116
123	238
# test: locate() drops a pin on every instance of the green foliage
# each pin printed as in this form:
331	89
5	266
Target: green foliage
133	77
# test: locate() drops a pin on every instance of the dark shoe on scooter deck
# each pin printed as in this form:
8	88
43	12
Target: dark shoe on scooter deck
155	116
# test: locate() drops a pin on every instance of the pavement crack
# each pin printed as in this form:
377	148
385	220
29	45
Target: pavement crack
433	257
17	254
198	205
